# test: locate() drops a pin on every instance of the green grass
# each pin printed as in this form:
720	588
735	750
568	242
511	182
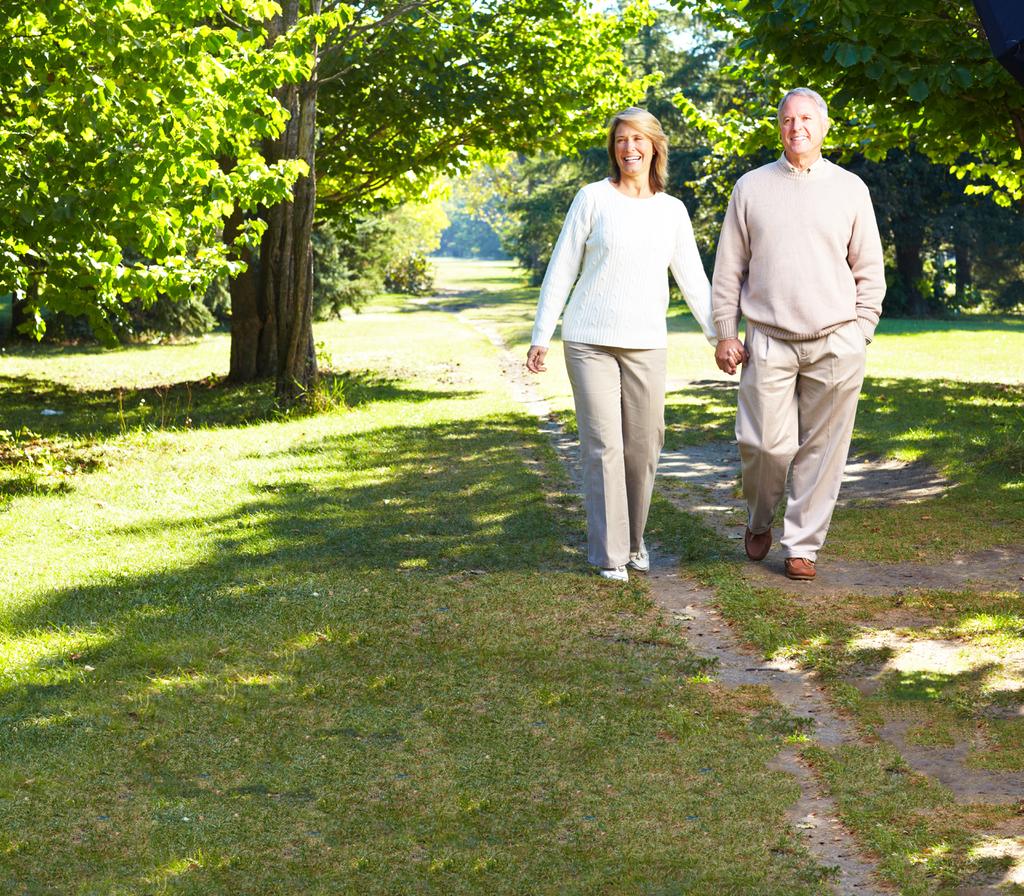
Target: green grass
360	652
929	846
354	652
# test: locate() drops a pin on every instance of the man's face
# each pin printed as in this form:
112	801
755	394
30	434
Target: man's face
801	127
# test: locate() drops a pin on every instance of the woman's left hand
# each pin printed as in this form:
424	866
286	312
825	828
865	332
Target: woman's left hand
535	359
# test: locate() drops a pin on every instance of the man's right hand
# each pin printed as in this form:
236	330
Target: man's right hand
729	354
535	359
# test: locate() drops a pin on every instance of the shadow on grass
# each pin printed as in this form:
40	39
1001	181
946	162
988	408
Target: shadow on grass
211	402
306	704
702	411
29	349
971	431
336	540
440	499
936	686
43	453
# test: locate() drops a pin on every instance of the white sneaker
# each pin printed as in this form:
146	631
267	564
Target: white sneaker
640	561
618	574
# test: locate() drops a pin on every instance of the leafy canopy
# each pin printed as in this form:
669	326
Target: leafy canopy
114	119
914	73
429	92
131	129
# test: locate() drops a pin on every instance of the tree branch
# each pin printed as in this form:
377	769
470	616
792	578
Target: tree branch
355	31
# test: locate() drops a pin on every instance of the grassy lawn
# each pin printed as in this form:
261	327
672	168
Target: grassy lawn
359	652
356	652
965	687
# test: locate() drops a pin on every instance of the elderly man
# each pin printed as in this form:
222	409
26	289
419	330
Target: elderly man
800	258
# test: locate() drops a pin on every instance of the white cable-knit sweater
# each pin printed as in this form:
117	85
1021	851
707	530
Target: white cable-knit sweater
621	248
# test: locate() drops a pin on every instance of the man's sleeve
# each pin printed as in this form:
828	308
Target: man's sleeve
732	261
867	262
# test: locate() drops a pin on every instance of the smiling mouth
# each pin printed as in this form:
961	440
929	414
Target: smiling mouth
631	159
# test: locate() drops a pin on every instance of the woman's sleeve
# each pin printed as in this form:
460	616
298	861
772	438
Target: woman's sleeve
688	269
563	269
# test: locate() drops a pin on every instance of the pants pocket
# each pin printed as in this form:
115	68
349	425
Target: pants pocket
852	340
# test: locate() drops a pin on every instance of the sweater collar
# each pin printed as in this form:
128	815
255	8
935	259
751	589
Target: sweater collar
814	170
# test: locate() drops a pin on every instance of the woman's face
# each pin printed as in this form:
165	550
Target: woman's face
633	151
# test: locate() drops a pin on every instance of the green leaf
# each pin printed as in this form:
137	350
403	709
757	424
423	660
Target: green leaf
919	91
875	70
847	55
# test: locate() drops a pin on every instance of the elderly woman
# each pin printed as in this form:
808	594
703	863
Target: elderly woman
620	238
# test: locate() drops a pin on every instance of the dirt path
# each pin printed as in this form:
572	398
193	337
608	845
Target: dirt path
813	817
702	479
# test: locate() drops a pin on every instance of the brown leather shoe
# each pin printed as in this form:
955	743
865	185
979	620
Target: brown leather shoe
757	544
800	569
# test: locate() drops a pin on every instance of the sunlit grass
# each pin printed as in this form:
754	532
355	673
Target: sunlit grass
951	676
984	350
269	654
358	651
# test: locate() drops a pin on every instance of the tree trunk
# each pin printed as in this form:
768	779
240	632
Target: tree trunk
909	244
273	301
964	271
253	345
287	251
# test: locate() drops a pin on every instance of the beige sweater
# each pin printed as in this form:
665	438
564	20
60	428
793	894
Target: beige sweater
799	254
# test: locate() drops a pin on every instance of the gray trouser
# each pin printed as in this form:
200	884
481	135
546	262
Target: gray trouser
620	413
797	404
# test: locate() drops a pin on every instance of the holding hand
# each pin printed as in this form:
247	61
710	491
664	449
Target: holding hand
730	354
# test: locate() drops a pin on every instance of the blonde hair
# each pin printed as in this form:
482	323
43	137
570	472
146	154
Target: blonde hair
650	127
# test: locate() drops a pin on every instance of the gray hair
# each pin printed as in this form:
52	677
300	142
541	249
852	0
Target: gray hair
806	91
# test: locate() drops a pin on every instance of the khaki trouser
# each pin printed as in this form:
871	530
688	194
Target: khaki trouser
797	404
620	413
